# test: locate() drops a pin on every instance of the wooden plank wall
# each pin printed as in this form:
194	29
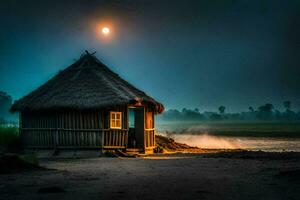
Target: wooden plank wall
36	129
64	129
80	129
70	129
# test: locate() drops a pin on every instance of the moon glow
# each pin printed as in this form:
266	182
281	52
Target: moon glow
105	30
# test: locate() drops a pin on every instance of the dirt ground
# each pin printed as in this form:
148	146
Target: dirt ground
177	176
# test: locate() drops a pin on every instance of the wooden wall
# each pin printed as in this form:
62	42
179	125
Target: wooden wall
82	129
69	128
149	118
149	134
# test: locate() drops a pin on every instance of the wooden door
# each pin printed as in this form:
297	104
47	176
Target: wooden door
139	127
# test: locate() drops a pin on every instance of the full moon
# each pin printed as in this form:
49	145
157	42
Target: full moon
105	30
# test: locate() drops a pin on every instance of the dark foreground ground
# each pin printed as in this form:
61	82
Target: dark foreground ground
179	176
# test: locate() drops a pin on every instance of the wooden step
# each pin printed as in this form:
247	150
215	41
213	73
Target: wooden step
134	151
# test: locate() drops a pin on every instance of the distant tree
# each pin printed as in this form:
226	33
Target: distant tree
215	116
236	116
287	105
172	114
278	114
289	114
5	104
185	114
298	115
189	114
251	109
222	110
266	108
265	112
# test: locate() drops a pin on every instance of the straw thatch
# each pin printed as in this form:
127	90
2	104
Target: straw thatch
86	84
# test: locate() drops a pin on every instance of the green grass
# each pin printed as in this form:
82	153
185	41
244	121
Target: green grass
9	136
238	129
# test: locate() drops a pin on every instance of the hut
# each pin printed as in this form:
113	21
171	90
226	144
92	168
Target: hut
88	106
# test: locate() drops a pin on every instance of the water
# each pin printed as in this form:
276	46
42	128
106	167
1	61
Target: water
206	138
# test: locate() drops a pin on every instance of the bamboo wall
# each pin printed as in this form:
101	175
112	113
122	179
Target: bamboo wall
81	129
72	129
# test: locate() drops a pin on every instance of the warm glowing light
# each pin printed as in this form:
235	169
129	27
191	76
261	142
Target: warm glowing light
105	31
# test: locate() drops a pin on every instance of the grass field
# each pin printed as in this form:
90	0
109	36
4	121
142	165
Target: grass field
238	129
9	136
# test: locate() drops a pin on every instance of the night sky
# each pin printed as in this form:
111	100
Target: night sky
185	54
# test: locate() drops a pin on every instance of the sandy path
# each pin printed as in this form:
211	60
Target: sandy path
185	177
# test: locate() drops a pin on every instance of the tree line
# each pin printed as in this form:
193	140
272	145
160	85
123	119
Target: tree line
264	112
5	104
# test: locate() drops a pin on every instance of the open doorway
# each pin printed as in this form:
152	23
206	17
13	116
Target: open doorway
136	127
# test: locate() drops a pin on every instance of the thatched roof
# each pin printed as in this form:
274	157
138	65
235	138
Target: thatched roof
86	84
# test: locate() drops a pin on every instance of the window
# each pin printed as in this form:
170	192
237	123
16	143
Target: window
116	120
